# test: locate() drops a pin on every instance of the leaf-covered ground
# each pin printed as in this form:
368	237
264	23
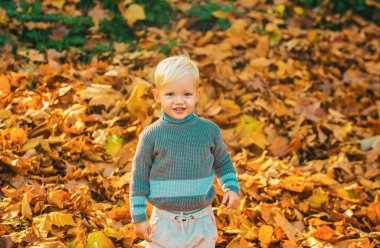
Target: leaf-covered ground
298	103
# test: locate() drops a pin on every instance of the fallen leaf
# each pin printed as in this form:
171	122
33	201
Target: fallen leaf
325	233
114	143
132	13
98	239
25	206
265	235
318	198
42	224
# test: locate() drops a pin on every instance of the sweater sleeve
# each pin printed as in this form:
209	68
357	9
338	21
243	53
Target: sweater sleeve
139	186
224	169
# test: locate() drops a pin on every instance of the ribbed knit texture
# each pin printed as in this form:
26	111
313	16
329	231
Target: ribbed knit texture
175	164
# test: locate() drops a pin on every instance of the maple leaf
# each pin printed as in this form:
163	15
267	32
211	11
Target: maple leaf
42	224
132	13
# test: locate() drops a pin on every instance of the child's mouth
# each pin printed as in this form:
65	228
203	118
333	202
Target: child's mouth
179	110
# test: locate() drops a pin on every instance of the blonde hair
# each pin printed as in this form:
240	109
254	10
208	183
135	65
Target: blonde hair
174	67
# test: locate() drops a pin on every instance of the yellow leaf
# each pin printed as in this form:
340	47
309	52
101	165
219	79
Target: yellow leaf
323	179
341	133
275	38
220	14
239	242
117	234
298	10
238	27
349	195
280	109
114	143
25	206
101	95
80	240
49	244
259	64
248	3
265	235
318	198
4	113
42	224
30	144
56	3
133	13
17	134
98	240
3	16
251	131
55	197
205	39
280	9
230	107
135	103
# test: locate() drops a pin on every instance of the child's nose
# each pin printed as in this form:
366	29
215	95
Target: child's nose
179	99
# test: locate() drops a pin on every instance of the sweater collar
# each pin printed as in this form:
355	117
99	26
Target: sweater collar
169	119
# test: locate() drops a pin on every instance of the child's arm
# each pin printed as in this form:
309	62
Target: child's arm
224	169
139	186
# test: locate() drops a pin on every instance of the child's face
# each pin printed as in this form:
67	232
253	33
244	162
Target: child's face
178	98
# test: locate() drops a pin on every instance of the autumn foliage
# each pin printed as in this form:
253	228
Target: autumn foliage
294	86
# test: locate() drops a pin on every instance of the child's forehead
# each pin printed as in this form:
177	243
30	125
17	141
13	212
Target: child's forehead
179	87
181	82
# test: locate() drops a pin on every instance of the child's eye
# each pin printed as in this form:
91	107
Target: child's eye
169	94
188	94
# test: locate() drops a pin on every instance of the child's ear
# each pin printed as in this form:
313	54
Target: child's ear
198	94
156	95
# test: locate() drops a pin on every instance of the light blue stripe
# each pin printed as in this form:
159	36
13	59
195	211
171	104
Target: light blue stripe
174	188
230	183
225	177
138	210
137	200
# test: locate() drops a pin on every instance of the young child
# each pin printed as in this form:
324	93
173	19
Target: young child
175	162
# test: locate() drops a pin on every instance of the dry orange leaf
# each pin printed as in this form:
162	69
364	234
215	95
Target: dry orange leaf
373	212
286	226
57	197
5	86
265	235
26	210
325	233
18	135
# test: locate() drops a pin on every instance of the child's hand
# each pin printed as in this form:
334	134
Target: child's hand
142	230
232	198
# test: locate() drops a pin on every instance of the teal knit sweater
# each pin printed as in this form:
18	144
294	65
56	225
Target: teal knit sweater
175	164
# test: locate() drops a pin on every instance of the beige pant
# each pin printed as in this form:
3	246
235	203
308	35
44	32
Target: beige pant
186	230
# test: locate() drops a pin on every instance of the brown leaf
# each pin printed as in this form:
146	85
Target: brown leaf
26	210
57	197
286	226
325	233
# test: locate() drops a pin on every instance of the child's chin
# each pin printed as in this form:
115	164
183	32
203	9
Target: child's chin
178	116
